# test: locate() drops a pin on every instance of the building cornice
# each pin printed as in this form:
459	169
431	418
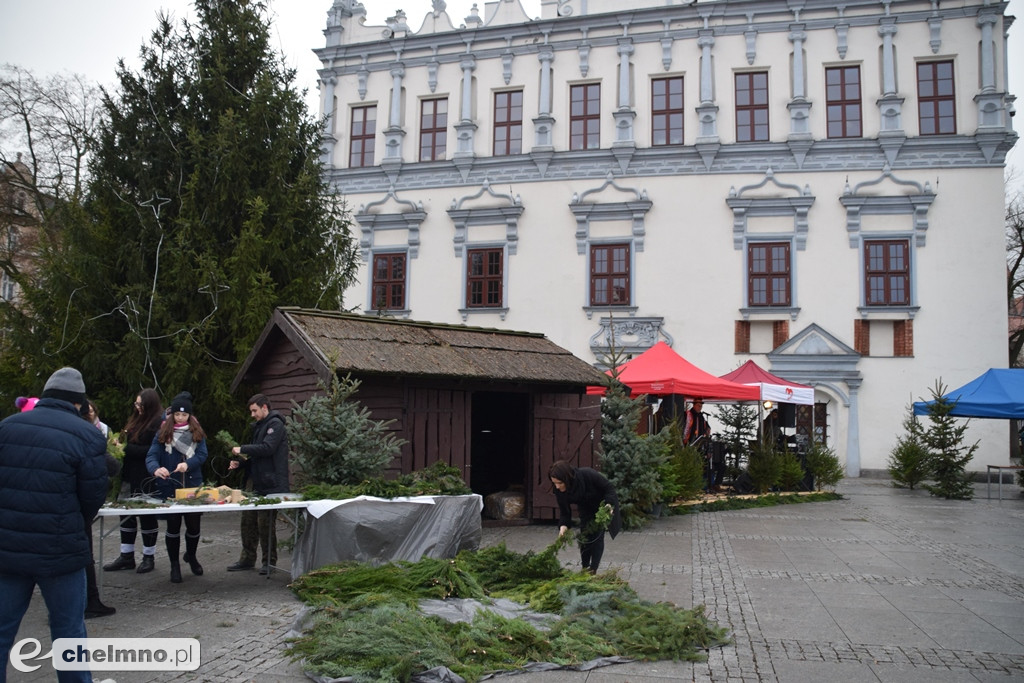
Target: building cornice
845	156
646	25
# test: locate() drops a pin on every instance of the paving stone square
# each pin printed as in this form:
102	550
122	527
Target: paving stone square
884	585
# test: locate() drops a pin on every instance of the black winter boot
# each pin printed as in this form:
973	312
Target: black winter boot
191	546
125	561
193	563
173	545
146	565
95	608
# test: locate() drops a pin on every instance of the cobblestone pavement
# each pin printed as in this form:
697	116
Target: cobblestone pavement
885	585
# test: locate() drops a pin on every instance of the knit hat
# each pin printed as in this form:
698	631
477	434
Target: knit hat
25	403
182	403
67	385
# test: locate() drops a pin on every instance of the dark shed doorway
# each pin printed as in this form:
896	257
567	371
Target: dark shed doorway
500	434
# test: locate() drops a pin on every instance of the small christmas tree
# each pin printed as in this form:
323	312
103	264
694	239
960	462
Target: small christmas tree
824	466
764	465
739	428
682	474
791	472
944	440
632	462
334	440
910	461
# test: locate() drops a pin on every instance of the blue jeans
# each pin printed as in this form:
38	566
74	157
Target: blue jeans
65	601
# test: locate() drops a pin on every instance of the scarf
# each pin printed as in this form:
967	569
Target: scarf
181	441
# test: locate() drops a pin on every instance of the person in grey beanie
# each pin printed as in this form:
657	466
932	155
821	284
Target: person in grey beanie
53	475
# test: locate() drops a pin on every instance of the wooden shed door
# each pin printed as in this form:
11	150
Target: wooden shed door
438	429
565	427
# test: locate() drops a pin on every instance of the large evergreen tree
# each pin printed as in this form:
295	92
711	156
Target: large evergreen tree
207	208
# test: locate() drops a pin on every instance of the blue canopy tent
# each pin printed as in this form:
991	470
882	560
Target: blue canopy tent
998	393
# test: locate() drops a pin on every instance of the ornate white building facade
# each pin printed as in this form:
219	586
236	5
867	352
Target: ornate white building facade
818	187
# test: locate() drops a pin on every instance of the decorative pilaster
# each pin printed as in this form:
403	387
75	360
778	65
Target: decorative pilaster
544	122
853	431
393	134
624	114
707	110
466	128
890	104
799	107
327	137
989	101
1008	99
987	22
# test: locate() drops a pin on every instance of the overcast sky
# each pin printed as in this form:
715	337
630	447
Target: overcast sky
89	36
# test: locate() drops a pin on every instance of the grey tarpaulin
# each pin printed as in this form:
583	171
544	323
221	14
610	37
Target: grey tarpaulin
378	530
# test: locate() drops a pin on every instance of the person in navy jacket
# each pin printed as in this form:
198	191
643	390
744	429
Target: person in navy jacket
53	480
176	459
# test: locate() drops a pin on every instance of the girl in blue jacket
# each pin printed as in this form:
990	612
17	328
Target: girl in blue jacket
176	459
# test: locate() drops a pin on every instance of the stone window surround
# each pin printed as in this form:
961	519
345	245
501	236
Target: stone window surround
464	218
917	204
634	211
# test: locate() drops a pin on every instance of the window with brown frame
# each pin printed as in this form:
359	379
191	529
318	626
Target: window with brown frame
585	116
483	278
667	111
508	123
752	107
433	129
887	272
842	101
768	276
388	282
936	104
609	275
361	136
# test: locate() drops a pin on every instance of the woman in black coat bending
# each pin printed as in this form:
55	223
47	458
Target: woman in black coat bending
588	489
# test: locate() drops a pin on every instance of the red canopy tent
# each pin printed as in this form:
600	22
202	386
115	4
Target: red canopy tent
660	371
773	388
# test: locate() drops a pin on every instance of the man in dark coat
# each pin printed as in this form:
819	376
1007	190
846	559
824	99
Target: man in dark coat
53	479
266	459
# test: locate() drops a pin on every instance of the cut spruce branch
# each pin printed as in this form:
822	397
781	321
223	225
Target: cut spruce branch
367	623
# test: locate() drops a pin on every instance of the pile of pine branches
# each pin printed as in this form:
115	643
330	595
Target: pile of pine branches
368	625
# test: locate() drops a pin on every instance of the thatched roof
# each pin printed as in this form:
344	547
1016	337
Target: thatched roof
365	345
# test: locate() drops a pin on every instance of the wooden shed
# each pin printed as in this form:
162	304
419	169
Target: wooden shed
499	405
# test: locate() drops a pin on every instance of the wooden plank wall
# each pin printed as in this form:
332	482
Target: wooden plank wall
439	428
433	421
285	377
565	427
386	401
